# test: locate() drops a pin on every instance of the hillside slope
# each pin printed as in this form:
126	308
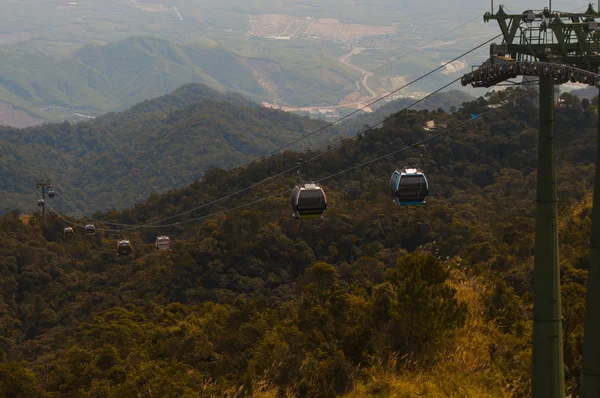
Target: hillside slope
446	100
371	300
165	143
102	78
97	79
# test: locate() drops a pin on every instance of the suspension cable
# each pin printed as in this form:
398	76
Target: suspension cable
447	130
136	226
291	168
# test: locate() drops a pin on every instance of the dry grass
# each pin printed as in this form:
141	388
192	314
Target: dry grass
25	218
575	211
285	25
261	389
464	369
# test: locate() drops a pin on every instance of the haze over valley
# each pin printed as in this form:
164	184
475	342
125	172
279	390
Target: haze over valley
306	57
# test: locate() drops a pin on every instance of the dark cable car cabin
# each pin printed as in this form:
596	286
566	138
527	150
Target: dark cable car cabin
68	233
163	244
90	229
51	193
308	201
41	203
409	187
124	248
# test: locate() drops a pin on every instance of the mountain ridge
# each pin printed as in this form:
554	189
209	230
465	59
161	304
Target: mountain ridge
371	299
100	78
120	158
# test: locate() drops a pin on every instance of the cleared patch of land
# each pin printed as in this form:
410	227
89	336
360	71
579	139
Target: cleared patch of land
14	38
334	28
16	118
150	7
279	25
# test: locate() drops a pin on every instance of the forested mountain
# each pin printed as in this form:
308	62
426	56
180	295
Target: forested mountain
371	300
97	79
101	78
445	100
587	92
165	143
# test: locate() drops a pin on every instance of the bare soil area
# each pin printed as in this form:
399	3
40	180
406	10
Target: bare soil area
336	29
149	7
14	38
285	25
15	118
269	24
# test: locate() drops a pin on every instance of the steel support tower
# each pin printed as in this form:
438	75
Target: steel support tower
556	47
590	363
547	347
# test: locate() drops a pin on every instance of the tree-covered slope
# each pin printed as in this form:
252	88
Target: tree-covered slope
448	101
165	143
372	300
138	68
184	96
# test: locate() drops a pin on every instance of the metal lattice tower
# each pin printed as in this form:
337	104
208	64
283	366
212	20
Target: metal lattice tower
558	37
556	47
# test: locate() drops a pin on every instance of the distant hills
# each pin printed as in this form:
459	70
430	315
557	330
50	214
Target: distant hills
253	302
97	79
164	143
118	159
101	78
587	92
446	100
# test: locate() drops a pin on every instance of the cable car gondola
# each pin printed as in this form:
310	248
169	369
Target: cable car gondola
90	229
124	248
41	203
163	244
308	201
68	233
51	193
409	187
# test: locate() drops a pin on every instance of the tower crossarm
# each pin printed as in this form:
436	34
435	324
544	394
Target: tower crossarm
550	36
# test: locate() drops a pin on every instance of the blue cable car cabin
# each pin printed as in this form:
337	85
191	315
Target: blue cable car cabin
409	187
51	193
308	201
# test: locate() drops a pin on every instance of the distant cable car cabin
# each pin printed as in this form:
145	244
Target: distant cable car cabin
163	244
68	233
409	187
308	201
41	203
51	193
124	248
90	229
